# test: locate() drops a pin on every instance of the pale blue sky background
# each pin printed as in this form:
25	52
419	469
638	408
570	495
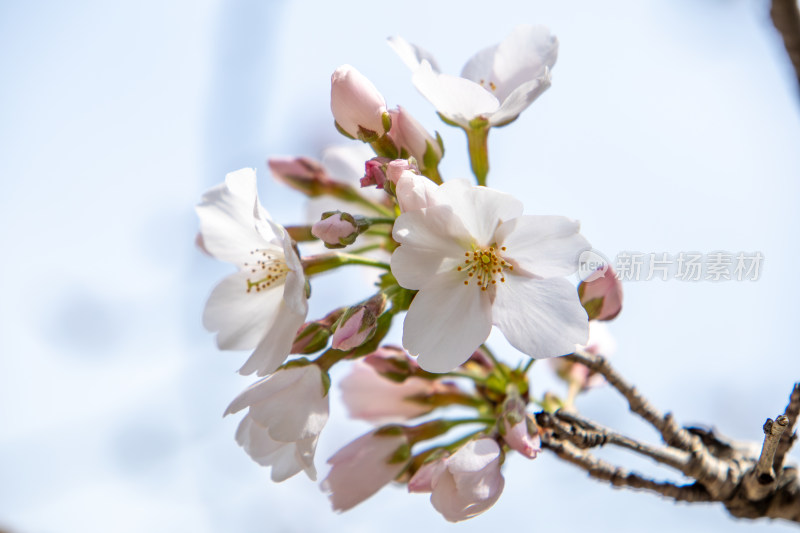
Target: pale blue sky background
670	126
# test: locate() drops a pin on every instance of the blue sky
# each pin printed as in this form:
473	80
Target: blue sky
670	126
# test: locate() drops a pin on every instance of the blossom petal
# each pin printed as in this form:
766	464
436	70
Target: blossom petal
457	99
415	192
540	317
543	245
228	217
519	99
280	456
432	241
241	318
446	323
523	56
411	54
481	209
276	344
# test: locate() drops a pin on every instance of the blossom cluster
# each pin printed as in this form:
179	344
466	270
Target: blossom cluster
456	260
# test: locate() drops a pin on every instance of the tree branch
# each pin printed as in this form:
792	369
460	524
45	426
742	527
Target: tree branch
619	477
791	412
786	18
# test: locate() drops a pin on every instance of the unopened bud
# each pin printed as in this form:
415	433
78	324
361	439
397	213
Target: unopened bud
411	136
601	294
357	106
300	173
375	172
337	229
358	324
313	336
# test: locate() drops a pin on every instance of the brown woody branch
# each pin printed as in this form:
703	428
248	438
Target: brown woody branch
786	18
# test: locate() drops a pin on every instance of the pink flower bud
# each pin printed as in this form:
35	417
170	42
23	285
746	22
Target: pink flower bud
357	106
375	172
600	342
313	336
601	295
392	362
336	229
396	168
465	484
300	173
374	398
523	437
423	479
365	465
411	136
354	331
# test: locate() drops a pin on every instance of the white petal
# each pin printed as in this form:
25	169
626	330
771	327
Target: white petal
523	56
280	456
446	323
480	68
276	344
294	290
457	99
228	217
481	209
540	317
415	192
263	389
519	99
296	412
241	318
547	246
411	54
432	241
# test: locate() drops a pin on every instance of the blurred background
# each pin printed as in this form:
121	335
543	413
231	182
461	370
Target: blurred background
671	125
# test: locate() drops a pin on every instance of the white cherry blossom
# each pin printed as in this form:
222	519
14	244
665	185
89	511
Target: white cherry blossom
476	260
287	412
496	84
261	306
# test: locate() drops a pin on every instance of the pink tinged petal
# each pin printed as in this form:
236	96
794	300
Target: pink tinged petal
457	99
446	323
361	468
411	54
228	215
481	209
363	385
356	103
409	134
519	99
240	318
428	475
546	246
472	482
276	344
414	192
433	242
518	438
540	317
607	286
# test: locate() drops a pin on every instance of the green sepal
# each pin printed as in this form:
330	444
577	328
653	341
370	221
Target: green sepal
342	131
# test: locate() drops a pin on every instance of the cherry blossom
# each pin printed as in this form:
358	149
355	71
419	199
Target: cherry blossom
262	305
496	84
476	260
287	412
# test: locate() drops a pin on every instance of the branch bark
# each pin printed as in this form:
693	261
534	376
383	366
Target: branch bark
786	18
749	486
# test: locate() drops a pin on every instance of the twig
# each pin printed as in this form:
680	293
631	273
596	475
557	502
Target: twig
791	412
786	18
619	477
677	459
672	434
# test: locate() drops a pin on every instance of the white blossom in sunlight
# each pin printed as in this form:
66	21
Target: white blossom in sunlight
476	260
261	306
496	84
287	412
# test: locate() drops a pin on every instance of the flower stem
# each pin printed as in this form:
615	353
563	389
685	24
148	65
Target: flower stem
315	264
477	141
380	220
500	366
